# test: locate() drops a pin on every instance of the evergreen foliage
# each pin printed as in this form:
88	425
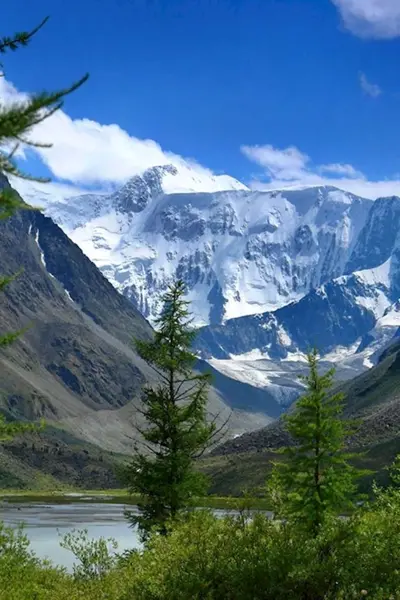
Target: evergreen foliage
16	122
175	430
315	479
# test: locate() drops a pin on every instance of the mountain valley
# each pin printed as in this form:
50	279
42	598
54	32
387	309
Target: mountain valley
270	275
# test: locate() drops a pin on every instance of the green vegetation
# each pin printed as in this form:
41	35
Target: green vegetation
242	555
245	554
233	558
316	479
175	430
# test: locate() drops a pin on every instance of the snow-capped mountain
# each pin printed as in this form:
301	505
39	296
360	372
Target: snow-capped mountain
350	319
269	274
240	252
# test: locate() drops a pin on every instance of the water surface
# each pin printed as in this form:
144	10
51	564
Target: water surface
45	524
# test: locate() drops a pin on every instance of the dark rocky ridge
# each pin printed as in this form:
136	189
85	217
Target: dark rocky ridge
60	338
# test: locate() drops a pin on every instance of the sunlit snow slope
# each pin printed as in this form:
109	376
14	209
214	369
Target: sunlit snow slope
240	252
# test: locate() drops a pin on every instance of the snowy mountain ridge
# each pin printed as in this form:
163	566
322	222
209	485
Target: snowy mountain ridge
240	252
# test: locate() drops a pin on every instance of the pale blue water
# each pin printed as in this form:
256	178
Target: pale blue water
45	523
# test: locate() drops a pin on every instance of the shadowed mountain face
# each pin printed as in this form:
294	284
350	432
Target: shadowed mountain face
75	354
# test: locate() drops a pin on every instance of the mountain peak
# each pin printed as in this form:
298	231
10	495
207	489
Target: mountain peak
140	189
135	195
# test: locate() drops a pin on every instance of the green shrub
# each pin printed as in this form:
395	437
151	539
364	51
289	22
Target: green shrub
22	575
25	577
370	558
95	557
232	558
205	558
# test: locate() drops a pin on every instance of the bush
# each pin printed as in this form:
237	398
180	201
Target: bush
232	558
25	577
206	558
22	575
370	558
95	557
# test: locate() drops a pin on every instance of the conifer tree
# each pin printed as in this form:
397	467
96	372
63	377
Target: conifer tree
176	431
16	122
315	478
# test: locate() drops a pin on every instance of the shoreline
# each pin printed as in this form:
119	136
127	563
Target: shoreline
120	497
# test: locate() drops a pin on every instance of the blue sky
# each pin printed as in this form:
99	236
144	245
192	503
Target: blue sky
277	91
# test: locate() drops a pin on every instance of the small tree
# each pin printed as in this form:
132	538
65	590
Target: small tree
315	479
176	432
16	122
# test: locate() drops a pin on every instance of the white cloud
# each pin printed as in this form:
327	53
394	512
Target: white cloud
287	164
85	152
291	168
371	18
371	89
340	169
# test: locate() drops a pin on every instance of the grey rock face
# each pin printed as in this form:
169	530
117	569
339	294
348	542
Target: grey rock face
378	237
134	196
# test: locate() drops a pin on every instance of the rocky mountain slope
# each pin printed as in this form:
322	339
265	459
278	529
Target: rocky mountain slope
373	397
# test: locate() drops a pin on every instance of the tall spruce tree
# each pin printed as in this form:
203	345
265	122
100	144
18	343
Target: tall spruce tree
17	119
315	478
176	431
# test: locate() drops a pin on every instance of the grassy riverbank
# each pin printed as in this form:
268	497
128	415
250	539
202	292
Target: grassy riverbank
120	497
